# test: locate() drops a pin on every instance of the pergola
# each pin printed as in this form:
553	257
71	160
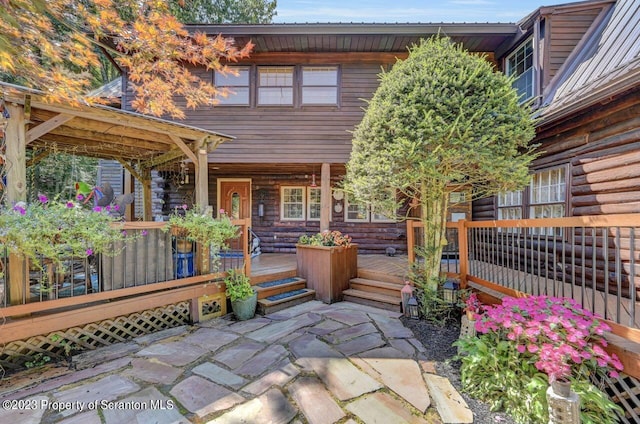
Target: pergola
140	143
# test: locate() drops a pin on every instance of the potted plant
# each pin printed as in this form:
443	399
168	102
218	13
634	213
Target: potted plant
198	225
328	261
242	295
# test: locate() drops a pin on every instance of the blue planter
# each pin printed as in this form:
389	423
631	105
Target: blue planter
184	265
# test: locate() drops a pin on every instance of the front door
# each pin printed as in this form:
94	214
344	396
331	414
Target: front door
234	196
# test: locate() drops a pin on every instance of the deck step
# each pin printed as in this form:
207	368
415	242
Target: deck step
284	300
379	276
275	287
375	286
261	278
377	300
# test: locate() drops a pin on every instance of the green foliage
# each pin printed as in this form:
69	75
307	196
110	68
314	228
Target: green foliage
37	360
326	238
56	174
440	121
224	11
57	230
200	226
238	285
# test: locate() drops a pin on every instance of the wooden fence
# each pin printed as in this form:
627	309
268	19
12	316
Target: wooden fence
592	259
149	272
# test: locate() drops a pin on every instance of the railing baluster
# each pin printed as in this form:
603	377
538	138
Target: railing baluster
618	274
605	254
594	268
632	277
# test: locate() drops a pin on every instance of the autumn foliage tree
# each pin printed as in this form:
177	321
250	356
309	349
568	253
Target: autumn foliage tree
441	121
49	45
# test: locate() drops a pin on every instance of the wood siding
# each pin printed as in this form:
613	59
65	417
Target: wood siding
567	29
292	134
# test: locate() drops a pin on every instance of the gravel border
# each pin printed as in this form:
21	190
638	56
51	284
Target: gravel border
438	342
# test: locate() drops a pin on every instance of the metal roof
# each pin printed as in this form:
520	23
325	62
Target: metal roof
359	37
608	64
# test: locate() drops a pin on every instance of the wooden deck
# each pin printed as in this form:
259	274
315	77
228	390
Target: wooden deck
275	263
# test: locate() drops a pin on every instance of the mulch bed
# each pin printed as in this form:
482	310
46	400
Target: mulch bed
438	342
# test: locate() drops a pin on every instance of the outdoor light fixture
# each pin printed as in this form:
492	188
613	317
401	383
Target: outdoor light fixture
450	291
313	180
406	293
412	306
261	210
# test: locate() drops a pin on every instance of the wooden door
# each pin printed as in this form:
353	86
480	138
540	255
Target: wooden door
235	198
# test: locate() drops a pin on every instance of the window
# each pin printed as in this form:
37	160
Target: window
358	212
355	212
292	203
275	85
236	85
320	85
547	197
520	66
300	203
510	205
313	204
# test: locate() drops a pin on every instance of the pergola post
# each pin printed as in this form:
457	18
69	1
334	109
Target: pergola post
15	136
325	196
146	194
202	198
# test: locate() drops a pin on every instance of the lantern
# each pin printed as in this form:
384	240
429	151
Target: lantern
412	306
450	291
406	293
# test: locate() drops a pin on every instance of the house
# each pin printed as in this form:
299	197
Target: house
303	89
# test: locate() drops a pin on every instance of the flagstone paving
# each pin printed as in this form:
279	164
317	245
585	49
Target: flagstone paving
312	363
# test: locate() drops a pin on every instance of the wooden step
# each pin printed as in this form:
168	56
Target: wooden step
376	300
266	306
280	286
374	286
257	279
379	276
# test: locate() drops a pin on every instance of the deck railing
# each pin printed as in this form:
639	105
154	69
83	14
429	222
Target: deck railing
592	259
153	261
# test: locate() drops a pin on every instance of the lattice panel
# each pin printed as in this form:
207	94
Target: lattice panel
625	391
212	306
94	335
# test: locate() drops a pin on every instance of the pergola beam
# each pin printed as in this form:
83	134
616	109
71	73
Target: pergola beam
49	125
185	149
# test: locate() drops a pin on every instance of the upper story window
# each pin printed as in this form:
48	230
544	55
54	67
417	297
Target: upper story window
520	66
275	85
237	86
319	85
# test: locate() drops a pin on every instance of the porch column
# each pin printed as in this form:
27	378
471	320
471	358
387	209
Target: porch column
202	177
146	195
325	196
128	188
15	136
202	200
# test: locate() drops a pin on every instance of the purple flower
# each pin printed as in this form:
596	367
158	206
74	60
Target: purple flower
89	252
144	232
124	233
19	209
184	207
97	209
116	207
79	197
70	204
42	198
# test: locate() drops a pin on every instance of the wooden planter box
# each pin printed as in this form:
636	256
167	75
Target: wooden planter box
327	270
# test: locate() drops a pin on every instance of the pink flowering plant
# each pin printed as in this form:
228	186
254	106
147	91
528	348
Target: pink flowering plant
326	238
57	230
526	343
562	338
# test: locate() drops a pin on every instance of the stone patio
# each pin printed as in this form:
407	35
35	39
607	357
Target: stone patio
312	363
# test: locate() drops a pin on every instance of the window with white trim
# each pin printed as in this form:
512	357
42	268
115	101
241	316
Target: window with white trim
359	212
236	84
319	85
300	203
519	64
510	205
275	85
548	196
292	203
355	212
314	196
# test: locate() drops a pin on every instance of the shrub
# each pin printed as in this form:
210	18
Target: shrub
527	343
